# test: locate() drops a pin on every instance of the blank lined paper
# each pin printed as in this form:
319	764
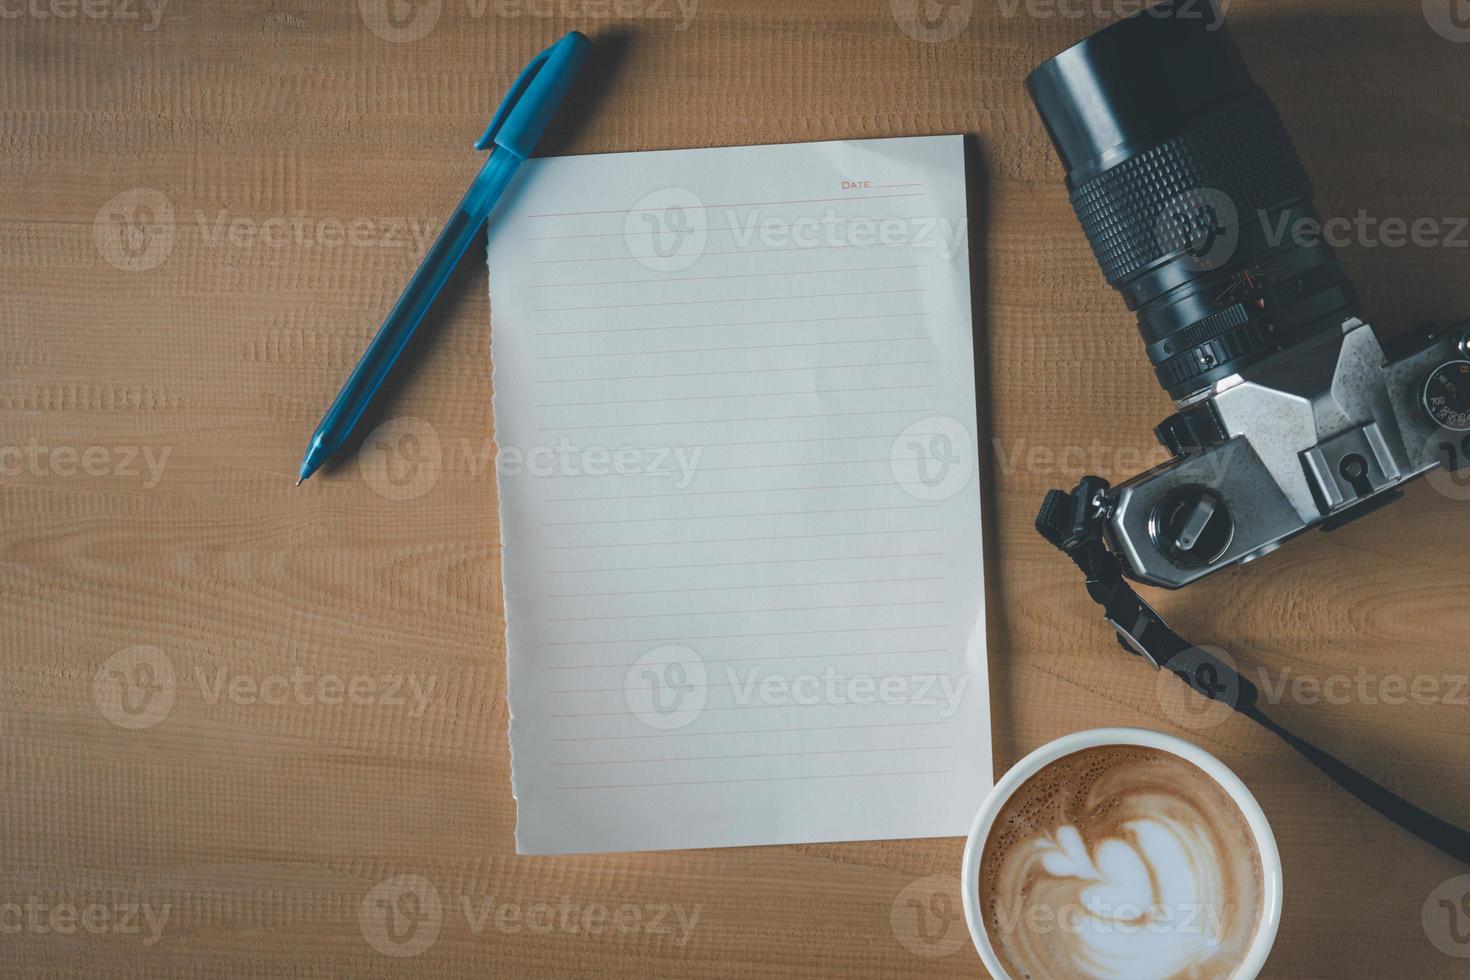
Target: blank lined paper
735	415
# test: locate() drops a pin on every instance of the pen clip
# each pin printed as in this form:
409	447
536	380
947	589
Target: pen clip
517	89
534	96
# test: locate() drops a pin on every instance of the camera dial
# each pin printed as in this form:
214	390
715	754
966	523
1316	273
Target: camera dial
1192	526
1447	396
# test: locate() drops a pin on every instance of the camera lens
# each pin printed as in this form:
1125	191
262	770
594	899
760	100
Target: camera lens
1190	192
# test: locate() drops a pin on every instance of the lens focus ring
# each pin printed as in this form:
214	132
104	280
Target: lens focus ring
1242	151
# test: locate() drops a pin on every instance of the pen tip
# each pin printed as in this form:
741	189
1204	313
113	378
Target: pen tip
298	482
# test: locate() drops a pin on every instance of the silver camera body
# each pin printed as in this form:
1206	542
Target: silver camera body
1323	433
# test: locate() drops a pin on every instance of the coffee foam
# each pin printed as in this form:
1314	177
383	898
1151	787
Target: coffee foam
1121	861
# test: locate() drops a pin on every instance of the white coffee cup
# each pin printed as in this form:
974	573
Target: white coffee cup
1265	841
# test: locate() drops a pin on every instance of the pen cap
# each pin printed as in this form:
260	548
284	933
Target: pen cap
535	96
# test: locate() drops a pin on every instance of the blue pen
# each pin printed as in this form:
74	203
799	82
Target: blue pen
514	130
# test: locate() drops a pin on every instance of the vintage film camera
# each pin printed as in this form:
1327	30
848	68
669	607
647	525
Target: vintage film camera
1291	412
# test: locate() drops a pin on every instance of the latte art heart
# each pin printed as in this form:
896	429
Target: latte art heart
1121	862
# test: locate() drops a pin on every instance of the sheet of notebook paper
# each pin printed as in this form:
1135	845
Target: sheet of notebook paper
740	514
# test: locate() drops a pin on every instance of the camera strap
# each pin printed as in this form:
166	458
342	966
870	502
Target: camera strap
1073	522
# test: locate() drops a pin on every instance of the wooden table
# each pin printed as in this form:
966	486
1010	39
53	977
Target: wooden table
205	216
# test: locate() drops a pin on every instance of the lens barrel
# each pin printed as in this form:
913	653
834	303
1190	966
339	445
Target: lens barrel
1190	192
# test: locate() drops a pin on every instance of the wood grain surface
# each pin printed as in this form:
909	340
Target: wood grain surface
207	208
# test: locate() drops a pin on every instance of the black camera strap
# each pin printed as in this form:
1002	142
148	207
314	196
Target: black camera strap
1073	522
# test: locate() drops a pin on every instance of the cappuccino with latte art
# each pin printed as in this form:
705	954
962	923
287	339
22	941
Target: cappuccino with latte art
1122	861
